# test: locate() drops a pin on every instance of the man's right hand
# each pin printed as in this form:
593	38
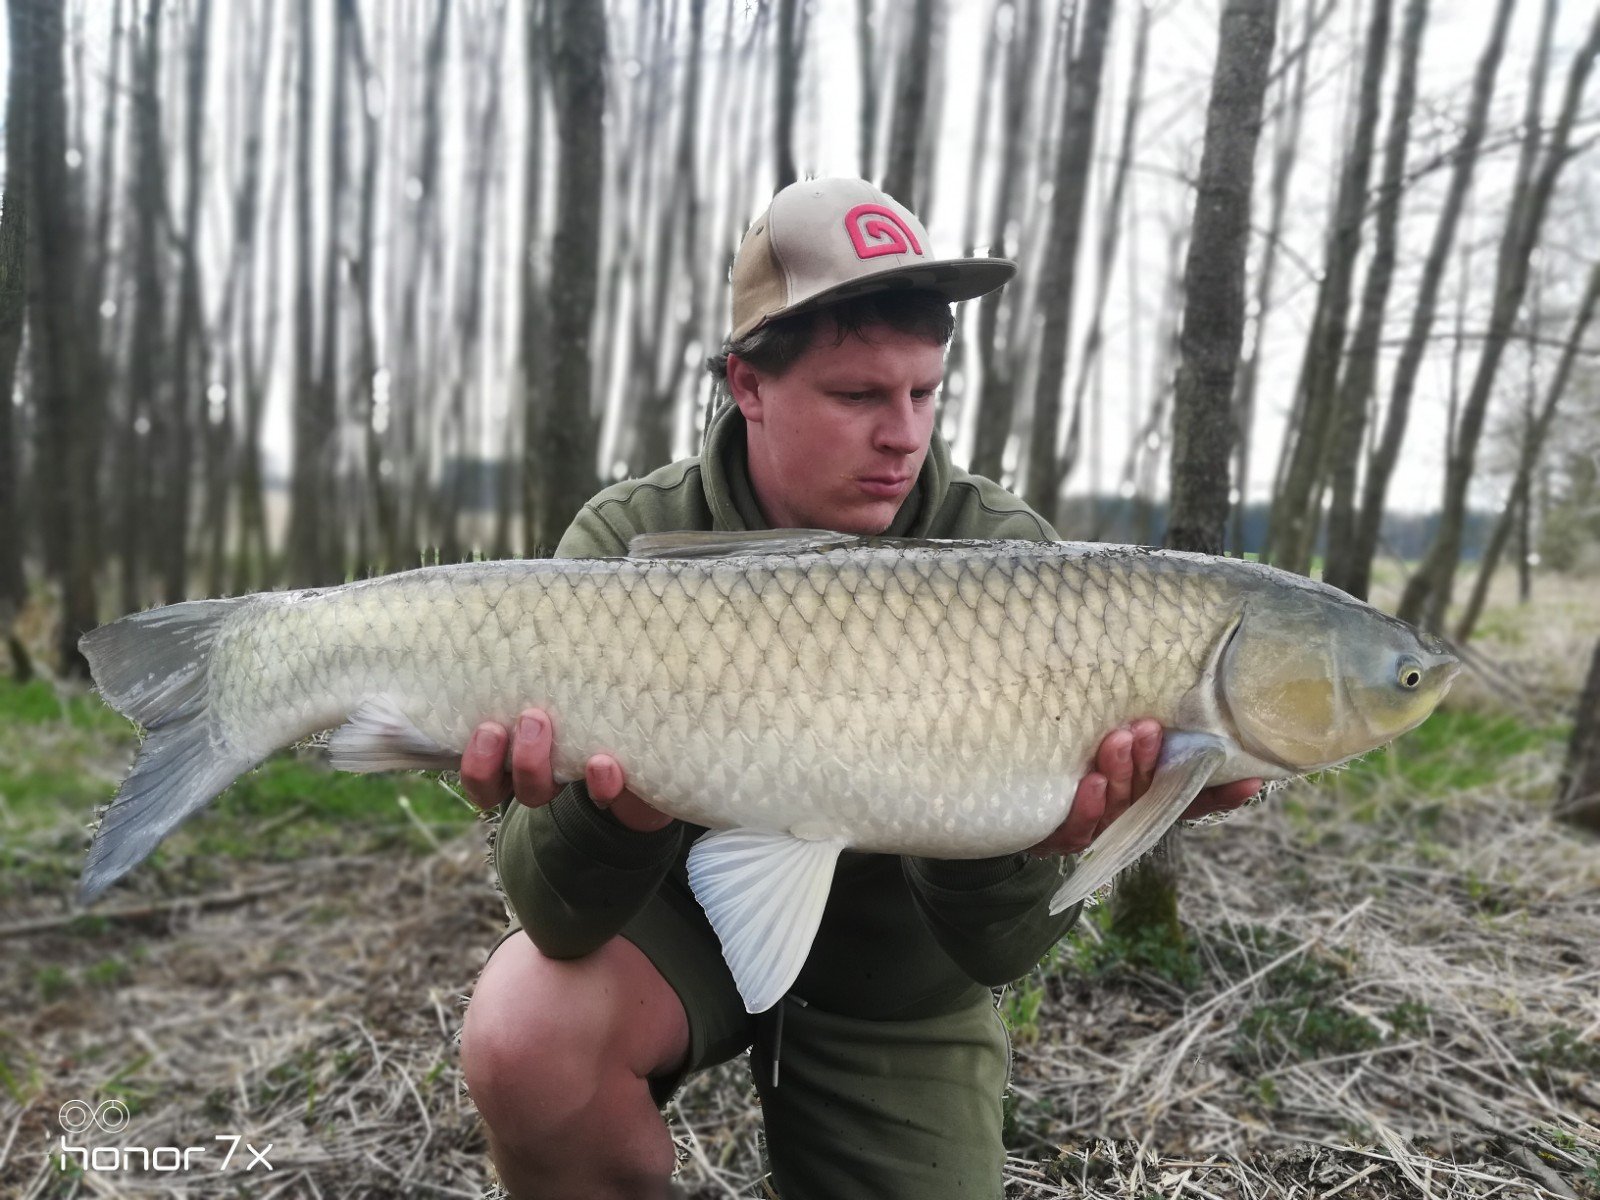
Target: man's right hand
530	778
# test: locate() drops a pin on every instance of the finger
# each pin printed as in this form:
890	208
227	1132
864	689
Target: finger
603	775
483	766
1115	760
1146	753
1221	798
531	776
1078	830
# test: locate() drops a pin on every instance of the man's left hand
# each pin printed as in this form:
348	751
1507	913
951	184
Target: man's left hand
1124	766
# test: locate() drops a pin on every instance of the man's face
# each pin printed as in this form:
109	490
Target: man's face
837	440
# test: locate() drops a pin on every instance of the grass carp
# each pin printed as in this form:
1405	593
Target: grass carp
796	692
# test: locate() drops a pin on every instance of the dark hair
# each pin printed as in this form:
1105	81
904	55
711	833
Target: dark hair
775	346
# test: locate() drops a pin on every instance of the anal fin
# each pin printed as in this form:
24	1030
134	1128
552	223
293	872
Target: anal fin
380	737
1187	763
764	893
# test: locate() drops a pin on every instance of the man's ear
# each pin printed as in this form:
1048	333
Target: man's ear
744	384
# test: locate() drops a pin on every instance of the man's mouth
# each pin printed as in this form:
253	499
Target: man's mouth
886	486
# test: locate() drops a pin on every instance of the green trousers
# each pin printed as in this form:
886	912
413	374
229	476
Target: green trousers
880	1109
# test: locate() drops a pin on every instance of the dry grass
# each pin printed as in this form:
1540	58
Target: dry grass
1390	993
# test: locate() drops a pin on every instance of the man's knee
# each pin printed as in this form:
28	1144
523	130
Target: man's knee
543	1037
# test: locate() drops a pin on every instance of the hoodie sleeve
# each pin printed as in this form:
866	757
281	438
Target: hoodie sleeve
990	915
572	873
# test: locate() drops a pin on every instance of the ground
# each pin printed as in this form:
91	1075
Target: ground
1392	983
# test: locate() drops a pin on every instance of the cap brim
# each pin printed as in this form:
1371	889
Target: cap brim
954	279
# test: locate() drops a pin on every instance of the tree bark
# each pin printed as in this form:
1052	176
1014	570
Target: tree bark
1213	329
1427	594
562	453
1381	463
1059	278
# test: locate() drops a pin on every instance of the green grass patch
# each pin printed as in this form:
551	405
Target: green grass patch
61	756
1451	751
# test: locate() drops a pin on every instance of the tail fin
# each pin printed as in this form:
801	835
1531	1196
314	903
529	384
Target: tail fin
155	667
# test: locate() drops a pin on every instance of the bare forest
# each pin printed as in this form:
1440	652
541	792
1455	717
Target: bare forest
294	292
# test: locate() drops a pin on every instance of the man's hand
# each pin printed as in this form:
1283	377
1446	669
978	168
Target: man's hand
531	780
1125	764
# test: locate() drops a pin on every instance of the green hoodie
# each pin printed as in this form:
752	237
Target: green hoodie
901	938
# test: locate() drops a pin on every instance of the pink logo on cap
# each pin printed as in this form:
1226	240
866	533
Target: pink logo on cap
876	230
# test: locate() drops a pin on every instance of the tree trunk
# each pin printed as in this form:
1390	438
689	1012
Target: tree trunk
1059	278
997	399
1285	154
1110	220
63	341
1349	422
910	104
1380	465
14	237
188	348
791	44
312	425
1146	898
867	80
1297	506
1427	593
1517	506
562	453
1578	794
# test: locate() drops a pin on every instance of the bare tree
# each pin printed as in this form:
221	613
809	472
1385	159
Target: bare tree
791	45
14	234
1533	439
1110	227
1213	330
188	343
1427	593
1298	503
997	400
1059	277
143	419
1357	574
562	452
62	340
910	104
1288	121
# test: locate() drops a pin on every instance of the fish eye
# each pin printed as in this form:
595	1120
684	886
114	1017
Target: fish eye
1409	673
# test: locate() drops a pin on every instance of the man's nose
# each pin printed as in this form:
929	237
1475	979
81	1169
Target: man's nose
898	431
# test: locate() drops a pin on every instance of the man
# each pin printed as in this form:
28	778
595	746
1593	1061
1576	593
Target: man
881	1074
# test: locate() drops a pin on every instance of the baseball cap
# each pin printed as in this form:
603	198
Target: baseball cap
825	240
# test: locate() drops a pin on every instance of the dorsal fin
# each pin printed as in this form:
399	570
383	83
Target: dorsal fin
737	543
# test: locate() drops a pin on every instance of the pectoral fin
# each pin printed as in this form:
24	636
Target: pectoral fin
380	737
1187	763
764	893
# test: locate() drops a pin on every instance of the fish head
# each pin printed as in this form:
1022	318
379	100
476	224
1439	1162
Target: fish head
1312	678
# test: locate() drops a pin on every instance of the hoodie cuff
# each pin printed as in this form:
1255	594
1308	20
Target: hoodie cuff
595	832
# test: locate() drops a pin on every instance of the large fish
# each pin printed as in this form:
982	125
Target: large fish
797	692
